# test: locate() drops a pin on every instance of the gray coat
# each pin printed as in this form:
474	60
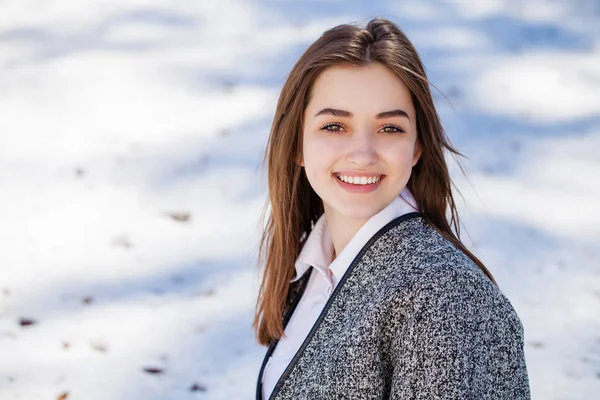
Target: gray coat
412	318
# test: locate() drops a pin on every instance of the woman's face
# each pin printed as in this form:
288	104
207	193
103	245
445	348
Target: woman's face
359	125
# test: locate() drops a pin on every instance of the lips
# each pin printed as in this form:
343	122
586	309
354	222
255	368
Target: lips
359	180
359	187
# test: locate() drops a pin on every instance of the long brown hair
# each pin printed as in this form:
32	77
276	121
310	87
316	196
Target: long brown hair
294	205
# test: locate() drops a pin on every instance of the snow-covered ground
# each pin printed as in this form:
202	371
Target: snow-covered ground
131	141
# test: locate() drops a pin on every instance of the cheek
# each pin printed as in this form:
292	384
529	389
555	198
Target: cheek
317	153
311	159
400	157
315	169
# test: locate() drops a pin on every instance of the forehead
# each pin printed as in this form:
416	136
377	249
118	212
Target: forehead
370	89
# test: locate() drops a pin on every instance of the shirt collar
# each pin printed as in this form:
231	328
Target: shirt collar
318	248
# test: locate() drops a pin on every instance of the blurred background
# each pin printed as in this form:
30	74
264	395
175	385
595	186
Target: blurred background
131	139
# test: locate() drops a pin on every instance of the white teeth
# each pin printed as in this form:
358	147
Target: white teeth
359	180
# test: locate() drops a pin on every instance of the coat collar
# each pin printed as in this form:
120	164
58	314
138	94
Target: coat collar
318	248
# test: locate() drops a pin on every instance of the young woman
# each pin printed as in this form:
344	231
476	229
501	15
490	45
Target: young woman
367	291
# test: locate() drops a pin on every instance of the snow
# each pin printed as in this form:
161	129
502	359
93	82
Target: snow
131	141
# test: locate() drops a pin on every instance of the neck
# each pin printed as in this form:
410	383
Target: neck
342	229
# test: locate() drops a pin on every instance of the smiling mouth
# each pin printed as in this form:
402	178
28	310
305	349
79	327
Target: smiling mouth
359	180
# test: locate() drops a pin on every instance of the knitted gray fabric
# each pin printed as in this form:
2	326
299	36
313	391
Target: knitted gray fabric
412	318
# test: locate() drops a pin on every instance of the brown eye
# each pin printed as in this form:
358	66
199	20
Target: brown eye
392	129
332	127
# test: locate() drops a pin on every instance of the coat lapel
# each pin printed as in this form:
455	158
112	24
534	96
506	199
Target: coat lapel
296	292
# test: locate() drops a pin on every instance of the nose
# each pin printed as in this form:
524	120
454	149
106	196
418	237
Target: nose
361	150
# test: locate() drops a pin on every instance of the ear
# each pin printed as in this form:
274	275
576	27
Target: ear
417	153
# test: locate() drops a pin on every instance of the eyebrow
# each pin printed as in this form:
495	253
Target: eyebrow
348	114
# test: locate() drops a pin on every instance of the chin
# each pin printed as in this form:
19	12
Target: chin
360	212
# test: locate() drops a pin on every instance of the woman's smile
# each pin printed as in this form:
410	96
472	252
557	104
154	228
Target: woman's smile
358	184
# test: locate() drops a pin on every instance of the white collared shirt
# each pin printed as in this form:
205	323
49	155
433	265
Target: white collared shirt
318	253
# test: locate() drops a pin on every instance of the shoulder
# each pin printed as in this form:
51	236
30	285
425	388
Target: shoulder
456	334
441	279
462	294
